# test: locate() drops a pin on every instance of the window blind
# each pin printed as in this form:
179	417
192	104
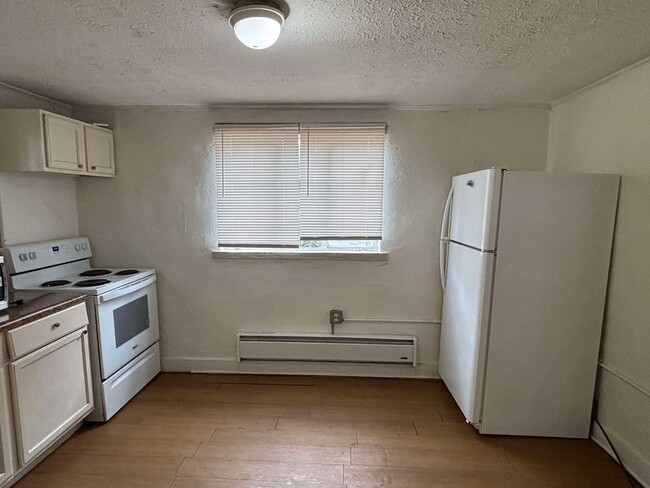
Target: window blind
342	182
258	177
280	184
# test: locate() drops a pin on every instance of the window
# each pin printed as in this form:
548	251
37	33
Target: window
300	187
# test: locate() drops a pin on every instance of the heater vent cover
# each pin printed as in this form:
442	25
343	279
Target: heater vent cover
353	348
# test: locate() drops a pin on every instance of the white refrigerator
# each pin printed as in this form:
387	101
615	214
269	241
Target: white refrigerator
524	259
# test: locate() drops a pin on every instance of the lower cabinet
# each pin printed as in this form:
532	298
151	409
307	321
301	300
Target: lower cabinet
6	431
51	391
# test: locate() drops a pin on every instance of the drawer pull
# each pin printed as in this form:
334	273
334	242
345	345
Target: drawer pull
134	346
56	325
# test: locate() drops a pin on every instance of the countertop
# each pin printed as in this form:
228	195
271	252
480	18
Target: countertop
36	305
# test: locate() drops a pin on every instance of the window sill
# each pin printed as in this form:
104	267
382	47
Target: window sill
304	256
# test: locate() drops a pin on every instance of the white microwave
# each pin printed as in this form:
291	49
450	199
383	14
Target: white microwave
4	285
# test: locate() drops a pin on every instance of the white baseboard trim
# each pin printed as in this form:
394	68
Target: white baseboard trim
231	365
634	462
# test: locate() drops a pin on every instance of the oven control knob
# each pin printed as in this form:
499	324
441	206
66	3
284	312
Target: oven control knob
32	255
22	256
84	246
77	247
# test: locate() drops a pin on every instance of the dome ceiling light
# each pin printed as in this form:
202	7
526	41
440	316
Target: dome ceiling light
257	26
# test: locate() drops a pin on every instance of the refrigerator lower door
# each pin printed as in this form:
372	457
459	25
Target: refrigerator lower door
464	332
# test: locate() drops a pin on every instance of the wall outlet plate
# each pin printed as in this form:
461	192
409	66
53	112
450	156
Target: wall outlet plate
336	316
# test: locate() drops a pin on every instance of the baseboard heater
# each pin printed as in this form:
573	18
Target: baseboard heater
349	348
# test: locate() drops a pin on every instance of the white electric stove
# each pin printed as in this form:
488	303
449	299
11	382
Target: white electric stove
122	309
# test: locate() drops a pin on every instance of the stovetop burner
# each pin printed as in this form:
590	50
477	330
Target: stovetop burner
126	272
49	284
95	272
98	282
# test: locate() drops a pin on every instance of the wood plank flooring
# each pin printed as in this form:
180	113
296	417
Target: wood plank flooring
232	431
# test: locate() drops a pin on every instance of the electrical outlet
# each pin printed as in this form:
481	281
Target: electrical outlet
336	316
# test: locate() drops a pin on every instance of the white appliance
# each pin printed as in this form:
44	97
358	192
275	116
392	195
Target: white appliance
122	308
524	265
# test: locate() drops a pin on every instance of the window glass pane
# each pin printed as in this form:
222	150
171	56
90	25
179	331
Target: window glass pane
341	245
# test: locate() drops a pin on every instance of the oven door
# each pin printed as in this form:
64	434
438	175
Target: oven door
127	323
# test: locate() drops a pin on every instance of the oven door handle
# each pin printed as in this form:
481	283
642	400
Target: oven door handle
111	295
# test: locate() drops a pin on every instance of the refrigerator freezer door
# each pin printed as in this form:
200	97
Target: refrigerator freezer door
550	281
465	317
475	209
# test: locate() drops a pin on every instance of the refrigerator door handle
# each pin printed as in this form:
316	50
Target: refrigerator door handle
444	239
443	263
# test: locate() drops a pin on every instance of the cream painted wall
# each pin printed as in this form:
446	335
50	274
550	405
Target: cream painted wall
159	211
607	129
35	207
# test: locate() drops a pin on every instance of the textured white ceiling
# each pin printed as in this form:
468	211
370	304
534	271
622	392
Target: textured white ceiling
417	52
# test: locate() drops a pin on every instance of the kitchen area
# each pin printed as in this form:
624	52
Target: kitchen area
351	244
76	342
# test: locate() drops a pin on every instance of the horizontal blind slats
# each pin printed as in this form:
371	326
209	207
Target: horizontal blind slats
342	182
258	185
280	183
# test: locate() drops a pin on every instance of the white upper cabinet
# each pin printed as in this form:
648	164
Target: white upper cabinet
65	146
35	140
99	150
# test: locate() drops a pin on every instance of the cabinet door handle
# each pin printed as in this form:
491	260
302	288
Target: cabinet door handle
93	168
85	332
80	165
56	325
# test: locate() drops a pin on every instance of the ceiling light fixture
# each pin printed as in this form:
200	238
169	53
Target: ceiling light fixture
257	26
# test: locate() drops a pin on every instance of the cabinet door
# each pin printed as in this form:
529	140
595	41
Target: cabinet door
100	157
52	390
64	144
6	432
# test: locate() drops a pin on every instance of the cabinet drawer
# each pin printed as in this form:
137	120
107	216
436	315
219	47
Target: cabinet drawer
30	337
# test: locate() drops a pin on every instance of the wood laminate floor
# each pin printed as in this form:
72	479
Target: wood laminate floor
236	431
